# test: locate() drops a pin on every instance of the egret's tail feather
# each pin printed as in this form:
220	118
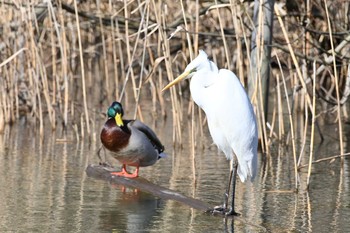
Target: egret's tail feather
246	170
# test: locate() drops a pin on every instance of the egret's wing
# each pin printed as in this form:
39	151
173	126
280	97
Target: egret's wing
232	122
149	134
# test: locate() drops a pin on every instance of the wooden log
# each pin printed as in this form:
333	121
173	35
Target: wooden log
104	172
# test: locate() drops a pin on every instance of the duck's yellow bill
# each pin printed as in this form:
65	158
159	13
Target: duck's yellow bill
118	119
177	80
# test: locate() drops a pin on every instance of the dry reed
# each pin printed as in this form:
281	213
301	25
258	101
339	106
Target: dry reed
64	63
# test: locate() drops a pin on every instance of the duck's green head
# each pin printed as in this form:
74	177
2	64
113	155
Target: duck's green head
116	111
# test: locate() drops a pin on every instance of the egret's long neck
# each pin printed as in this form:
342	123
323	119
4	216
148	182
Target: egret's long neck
201	80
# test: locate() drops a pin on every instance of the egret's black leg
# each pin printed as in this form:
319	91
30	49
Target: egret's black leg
227	193
222	209
232	211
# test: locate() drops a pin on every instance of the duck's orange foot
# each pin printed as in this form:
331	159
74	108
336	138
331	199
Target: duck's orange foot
125	173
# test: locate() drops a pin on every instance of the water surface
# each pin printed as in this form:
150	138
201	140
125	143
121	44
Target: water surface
44	188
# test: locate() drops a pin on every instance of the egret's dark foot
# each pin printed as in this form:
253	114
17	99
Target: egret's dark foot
221	210
217	210
231	212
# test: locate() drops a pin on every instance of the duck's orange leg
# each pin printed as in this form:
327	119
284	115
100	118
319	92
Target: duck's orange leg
124	173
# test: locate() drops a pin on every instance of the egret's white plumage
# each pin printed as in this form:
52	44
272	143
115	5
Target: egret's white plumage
230	115
231	118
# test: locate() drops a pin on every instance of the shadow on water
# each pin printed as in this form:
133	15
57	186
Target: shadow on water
44	188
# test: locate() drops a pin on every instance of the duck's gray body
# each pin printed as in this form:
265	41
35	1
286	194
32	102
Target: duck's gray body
133	144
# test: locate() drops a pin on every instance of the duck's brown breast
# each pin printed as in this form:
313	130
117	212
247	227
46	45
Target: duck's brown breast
113	137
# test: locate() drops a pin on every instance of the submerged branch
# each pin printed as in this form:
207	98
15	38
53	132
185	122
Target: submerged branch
103	172
325	159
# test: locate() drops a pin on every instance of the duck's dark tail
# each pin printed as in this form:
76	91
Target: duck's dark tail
162	155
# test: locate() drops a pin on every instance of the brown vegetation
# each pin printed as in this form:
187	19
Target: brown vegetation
67	60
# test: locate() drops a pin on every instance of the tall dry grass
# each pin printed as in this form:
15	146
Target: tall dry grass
63	62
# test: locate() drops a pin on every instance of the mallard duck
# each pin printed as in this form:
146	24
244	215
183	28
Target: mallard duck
130	141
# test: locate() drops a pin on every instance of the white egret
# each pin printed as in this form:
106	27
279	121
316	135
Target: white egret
231	118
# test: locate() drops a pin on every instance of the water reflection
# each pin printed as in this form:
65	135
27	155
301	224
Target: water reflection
44	188
134	210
